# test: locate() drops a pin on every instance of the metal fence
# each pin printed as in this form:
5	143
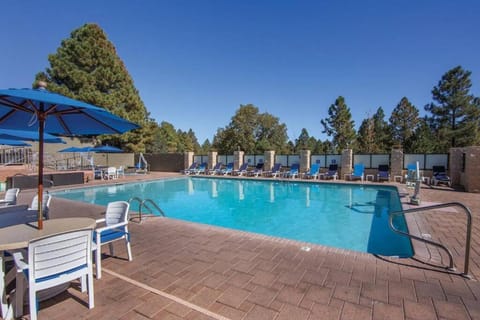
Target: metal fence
15	156
426	161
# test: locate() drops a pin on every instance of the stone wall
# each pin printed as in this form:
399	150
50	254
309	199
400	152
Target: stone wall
472	169
305	160
269	160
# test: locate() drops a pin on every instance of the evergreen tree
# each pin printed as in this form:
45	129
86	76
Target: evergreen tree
87	67
339	125
383	136
251	132
205	147
403	122
304	141
422	140
455	115
366	137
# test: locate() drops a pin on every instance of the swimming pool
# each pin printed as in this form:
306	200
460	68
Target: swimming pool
348	216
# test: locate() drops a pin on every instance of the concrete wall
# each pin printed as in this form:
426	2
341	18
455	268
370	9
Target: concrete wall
237	159
346	167
472	169
304	160
269	160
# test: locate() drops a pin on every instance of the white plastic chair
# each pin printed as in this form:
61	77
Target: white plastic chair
10	197
116	228
111	173
54	260
120	171
46	199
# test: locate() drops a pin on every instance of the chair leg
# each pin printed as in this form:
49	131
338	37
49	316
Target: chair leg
32	296
129	249
110	246
83	283
98	261
19	292
91	300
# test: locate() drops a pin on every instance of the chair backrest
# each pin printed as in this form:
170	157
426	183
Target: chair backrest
314	168
46	199
194	165
383	167
358	169
333	168
230	166
117	212
259	166
294	168
11	195
412	167
52	256
244	166
217	166
112	171
276	167
435	169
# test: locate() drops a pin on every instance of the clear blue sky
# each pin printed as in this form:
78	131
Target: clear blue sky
194	62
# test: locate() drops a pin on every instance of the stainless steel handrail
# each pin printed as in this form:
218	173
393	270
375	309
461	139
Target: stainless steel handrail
433	207
142	204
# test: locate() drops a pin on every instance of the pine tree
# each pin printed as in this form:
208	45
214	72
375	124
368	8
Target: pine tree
403	122
87	67
455	115
339	125
366	137
383	135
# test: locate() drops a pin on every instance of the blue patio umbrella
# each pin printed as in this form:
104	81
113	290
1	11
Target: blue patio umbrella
48	112
23	135
106	149
13	143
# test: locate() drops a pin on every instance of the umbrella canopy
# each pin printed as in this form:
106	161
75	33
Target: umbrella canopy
44	111
106	149
13	143
75	149
27	136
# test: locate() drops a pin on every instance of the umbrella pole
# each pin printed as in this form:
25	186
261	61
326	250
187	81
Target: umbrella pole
41	123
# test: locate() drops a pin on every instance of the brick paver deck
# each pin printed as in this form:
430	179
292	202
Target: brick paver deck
184	270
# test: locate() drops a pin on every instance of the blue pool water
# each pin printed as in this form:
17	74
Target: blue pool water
345	216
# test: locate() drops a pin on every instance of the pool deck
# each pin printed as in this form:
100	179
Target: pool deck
183	270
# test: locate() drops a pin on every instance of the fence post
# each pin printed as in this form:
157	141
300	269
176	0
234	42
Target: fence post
188	159
237	159
305	160
347	162
269	160
212	159
396	160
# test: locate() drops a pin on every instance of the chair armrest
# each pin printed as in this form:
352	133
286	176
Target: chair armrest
19	261
100	220
113	226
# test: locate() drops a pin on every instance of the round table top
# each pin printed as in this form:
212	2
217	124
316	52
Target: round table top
18	236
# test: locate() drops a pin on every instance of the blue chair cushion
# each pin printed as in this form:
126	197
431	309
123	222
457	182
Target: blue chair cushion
112	234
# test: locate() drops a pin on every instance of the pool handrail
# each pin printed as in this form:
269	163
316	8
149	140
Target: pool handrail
143	203
439	206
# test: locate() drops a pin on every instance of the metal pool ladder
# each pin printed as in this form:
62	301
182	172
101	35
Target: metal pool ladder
144	203
439	245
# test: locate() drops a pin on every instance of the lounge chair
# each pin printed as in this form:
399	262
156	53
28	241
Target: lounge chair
257	171
332	172
201	169
293	172
191	169
215	169
313	173
227	170
10	198
116	228
111	173
358	172
383	172
440	176
242	170
275	172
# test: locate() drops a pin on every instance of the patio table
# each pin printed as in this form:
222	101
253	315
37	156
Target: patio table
18	236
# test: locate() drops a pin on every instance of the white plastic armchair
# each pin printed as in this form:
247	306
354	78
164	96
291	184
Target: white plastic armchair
54	260
46	199
116	228
10	197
